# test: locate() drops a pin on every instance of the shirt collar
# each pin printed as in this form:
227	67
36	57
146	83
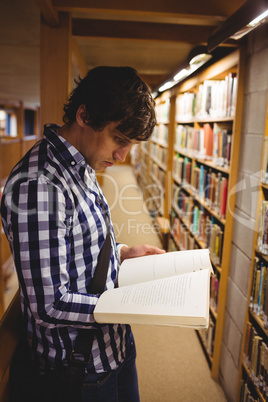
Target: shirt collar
69	153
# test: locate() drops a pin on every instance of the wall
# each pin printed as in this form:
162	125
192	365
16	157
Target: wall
254	110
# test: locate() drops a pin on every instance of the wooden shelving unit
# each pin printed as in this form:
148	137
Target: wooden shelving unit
19	130
253	363
158	161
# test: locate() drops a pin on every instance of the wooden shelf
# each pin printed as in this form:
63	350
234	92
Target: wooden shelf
233	63
12	148
205	120
255	321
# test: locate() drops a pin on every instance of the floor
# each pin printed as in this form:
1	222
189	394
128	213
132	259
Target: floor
170	361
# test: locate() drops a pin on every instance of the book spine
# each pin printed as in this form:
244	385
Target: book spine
229	147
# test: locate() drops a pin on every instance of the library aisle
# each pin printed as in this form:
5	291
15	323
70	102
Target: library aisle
170	361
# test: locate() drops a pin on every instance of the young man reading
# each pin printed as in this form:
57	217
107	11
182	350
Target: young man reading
56	219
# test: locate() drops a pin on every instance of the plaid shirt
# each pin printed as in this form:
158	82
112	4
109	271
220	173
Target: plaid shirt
53	215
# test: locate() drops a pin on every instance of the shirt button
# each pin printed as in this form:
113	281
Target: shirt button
73	163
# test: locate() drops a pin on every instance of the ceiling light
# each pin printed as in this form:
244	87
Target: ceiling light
181	74
248	17
260	18
252	25
167	85
196	58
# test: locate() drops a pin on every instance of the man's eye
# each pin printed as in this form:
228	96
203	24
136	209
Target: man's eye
120	141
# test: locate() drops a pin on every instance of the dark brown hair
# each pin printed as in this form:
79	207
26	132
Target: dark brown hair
114	94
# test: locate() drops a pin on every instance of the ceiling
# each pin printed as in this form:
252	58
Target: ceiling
153	36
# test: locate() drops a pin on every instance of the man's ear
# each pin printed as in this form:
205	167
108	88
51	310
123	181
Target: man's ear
81	115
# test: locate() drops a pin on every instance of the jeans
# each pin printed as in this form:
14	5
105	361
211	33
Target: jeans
120	385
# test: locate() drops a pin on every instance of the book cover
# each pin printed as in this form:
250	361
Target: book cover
208	140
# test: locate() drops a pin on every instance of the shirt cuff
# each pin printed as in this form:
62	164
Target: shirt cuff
119	246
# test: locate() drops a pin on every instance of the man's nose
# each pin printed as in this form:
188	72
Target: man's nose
121	153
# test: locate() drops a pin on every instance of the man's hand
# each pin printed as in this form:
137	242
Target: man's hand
139	251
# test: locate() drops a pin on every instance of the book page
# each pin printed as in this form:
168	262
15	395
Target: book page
151	267
169	301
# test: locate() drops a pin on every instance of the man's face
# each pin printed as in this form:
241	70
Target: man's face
102	149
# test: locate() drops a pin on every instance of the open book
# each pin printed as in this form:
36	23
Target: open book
161	289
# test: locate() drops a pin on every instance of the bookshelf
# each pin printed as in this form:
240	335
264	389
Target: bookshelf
152	162
157	159
194	154
19	130
254	351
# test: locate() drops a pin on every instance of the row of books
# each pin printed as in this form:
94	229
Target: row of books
145	146
158	174
262	242
144	162
212	188
182	170
214	99
214	239
181	234
199	224
264	173
258	302
159	153
214	292
208	186
162	111
256	359
208	336
160	134
135	156
246	394
206	143
154	197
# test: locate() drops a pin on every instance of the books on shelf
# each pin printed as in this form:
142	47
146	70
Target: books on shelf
214	292
159	154
160	134
214	239
182	170
163	289
181	235
255	358
135	155
154	197
258	302
222	143
158	174
214	99
264	171
194	224
207	186
262	242
210	143
162	111
212	188
208	337
185	106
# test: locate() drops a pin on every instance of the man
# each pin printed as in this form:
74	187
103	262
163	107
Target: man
56	219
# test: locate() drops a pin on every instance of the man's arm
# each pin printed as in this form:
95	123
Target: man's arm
42	248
